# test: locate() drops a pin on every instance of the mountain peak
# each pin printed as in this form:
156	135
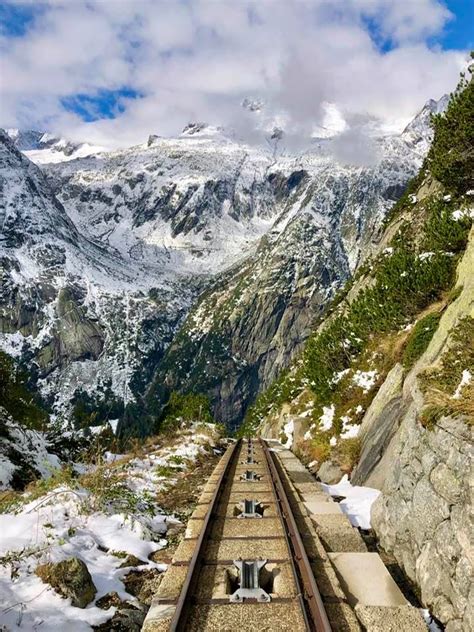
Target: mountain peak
194	128
419	131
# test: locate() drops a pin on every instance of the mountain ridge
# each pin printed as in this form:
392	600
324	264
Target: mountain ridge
168	220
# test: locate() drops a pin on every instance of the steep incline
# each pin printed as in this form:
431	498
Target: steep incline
384	389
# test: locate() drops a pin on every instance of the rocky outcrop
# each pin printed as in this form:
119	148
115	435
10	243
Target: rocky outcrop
424	514
378	427
71	579
329	472
75	337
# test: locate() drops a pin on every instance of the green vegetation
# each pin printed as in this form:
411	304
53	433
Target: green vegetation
404	281
451	156
17	396
165	471
420	338
441	232
404	200
96	410
109	492
176	459
184	407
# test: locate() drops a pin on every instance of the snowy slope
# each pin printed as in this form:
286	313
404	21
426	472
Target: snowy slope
41	147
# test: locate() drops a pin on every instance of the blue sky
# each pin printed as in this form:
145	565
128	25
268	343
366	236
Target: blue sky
126	68
104	104
16	19
459	33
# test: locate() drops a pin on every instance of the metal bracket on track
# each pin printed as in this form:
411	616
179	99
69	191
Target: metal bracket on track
249	509
249	575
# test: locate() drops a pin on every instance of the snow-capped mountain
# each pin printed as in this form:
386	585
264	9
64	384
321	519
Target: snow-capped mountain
419	132
104	257
42	147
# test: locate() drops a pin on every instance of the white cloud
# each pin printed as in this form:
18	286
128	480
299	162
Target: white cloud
198	60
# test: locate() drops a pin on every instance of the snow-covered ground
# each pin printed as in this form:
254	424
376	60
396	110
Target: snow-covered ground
108	512
357	503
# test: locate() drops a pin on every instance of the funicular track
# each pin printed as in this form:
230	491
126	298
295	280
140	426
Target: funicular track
249	568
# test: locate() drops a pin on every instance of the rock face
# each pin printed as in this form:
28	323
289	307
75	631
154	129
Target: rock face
71	579
424	514
379	425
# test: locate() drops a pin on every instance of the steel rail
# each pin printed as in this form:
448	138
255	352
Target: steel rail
179	619
313	604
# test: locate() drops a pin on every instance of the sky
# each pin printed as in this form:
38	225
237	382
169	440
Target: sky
114	71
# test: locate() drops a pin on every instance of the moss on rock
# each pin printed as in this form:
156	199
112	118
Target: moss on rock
71	579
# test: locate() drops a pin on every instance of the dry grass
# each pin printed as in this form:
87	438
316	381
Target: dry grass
347	453
317	449
439	403
440	381
181	497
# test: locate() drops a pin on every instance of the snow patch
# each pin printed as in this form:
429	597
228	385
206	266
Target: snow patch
337	377
465	380
327	417
465	213
62	524
365	379
289	429
357	502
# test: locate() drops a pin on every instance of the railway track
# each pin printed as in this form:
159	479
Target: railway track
242	564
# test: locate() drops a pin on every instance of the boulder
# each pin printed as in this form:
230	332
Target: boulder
71	579
330	473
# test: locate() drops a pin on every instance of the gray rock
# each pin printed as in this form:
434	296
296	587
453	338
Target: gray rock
71	579
379	425
429	510
442	609
424	514
445	483
464	576
390	619
330	473
468	619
